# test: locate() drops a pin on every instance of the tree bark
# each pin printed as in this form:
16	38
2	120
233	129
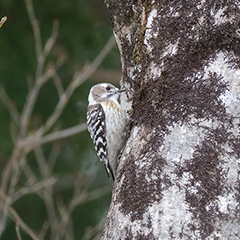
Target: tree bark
179	175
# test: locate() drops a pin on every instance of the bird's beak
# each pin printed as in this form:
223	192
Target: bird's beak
121	91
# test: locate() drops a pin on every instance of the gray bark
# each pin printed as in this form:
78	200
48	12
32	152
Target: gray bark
179	175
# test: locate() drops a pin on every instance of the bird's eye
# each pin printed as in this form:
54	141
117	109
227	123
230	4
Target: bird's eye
108	88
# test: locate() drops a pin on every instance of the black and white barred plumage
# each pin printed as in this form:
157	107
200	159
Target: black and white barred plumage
97	129
106	120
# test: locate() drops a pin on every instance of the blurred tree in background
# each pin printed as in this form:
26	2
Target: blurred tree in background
51	53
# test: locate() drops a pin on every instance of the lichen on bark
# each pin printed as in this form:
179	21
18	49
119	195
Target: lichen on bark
179	175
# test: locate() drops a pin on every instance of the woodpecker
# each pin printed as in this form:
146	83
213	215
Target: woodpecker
107	120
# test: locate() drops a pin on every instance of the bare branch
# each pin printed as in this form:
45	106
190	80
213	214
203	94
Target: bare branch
51	41
42	162
94	231
64	133
21	223
59	220
8	168
18	219
47	193
58	84
69	234
95	194
76	200
44	229
31	99
53	156
82	76
35	26
9	104
15	174
28	172
78	79
34	188
14	132
18	232
41	55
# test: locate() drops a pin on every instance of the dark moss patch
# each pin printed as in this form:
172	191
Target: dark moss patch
129	235
181	91
171	100
205	170
138	193
205	167
145	237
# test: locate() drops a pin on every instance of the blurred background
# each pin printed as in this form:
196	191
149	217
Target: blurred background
51	53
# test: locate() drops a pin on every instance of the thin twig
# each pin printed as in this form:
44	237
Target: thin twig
58	84
75	201
8	168
11	107
51	41
54	154
3	20
18	232
42	162
13	132
69	234
82	76
21	223
78	79
29	174
37	37
90	233
64	133
31	99
47	193
44	229
18	219
41	56
15	175
17	166
33	189
35	27
87	197
48	198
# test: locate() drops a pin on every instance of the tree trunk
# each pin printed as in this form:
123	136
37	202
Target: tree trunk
179	175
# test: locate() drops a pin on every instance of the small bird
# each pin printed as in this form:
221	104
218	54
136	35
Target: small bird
107	120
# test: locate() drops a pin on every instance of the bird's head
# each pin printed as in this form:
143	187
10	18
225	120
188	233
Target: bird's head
103	92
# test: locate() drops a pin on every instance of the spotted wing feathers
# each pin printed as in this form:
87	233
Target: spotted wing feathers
97	129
